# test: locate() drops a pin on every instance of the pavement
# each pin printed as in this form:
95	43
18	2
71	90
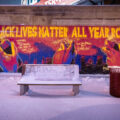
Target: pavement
57	103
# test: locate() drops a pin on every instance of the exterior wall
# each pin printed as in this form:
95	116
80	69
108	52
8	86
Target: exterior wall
60	15
57	16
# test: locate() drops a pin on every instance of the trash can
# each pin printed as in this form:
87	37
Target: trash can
115	80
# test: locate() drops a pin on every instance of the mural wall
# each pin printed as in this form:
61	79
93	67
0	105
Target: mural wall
93	48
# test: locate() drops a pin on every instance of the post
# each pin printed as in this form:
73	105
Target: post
23	89
26	88
75	89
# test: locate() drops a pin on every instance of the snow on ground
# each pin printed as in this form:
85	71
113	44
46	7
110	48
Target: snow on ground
56	102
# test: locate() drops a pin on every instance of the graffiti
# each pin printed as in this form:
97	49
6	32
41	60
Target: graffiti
92	48
52	2
112	50
9	58
65	53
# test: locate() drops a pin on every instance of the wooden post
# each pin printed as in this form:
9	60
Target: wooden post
75	89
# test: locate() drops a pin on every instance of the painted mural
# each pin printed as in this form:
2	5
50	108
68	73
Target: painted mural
93	48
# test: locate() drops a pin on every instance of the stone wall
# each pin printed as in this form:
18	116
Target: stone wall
60	15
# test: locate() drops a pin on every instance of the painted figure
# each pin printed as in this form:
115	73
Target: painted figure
9	59
112	51
65	53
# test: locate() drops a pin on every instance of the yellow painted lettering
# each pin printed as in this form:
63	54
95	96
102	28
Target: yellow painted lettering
74	32
91	29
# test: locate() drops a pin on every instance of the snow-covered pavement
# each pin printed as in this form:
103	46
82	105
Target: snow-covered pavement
56	102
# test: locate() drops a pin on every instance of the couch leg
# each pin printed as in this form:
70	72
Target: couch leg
75	89
23	89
